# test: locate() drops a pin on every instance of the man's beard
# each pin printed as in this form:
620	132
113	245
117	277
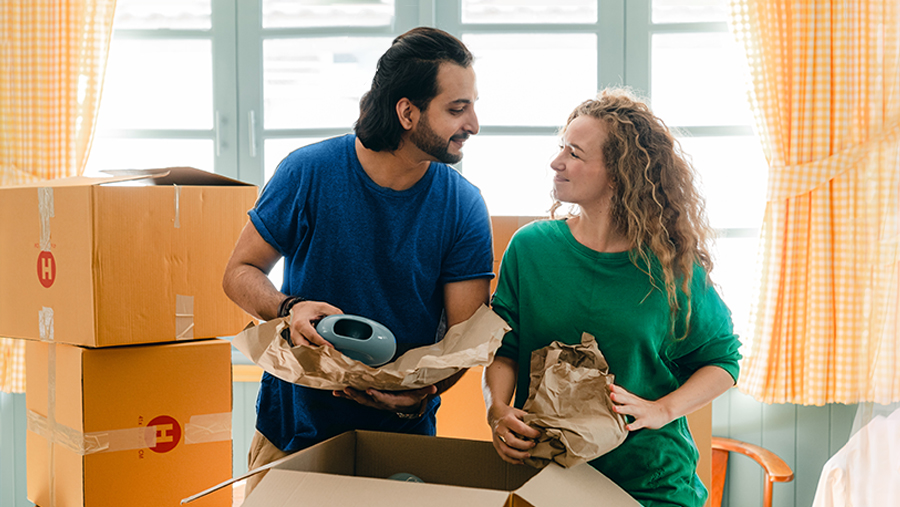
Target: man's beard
429	142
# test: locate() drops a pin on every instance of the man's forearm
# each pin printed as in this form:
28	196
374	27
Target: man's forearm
252	290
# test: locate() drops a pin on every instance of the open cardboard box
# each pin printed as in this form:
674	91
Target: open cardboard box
133	258
352	469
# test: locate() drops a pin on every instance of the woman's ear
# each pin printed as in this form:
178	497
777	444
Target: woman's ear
407	113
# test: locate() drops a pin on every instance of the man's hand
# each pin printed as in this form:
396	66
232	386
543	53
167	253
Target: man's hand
392	401
304	317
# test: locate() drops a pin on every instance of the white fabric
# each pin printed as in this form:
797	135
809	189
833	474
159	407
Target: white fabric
867	411
866	471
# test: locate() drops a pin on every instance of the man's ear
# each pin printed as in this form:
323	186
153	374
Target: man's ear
407	113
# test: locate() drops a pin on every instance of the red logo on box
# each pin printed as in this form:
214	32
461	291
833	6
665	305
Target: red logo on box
46	269
168	433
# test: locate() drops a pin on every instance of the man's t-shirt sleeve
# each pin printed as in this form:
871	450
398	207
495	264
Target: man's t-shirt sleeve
472	253
279	212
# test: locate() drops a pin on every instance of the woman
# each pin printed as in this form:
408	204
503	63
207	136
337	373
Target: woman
630	266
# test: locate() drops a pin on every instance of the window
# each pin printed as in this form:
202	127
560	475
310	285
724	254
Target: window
697	85
158	106
233	86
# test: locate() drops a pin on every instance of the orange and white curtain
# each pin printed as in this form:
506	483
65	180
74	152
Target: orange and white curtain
826	96
53	57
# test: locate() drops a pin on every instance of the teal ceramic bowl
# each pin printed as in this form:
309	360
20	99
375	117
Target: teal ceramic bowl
359	338
405	477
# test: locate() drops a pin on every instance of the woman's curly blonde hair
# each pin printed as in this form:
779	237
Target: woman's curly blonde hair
655	203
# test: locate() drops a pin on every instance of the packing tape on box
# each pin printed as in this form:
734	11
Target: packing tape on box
184	317
47	316
45	208
177	206
208	428
201	429
45	324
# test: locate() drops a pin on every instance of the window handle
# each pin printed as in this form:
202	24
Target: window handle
252	119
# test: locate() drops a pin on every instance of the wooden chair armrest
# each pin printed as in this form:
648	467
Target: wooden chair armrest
776	469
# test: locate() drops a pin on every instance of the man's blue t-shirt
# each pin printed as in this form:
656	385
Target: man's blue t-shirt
370	251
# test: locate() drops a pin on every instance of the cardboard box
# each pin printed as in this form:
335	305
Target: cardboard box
352	469
138	425
134	258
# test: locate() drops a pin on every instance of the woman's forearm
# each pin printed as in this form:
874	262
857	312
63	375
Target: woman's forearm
705	385
498	384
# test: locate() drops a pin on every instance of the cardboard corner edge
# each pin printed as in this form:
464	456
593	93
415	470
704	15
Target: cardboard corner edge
575	486
229	482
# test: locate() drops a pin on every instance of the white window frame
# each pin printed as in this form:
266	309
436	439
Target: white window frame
623	31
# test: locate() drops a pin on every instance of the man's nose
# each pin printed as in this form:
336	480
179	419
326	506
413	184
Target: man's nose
472	126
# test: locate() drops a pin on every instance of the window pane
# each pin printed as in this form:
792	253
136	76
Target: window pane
513	172
118	153
529	11
155	14
317	83
532	79
689	11
698	79
734	272
158	84
276	276
733	173
275	150
291	13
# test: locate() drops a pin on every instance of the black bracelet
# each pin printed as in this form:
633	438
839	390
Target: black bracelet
284	309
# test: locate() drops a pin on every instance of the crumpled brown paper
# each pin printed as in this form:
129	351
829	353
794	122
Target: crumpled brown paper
568	401
467	344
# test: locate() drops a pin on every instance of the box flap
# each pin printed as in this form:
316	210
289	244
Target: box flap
448	461
77	181
573	487
282	488
333	456
142	177
171	176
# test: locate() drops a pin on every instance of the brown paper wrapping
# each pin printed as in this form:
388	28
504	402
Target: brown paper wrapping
568	401
467	344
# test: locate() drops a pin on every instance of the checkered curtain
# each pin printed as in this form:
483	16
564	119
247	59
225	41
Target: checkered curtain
53	57
826	96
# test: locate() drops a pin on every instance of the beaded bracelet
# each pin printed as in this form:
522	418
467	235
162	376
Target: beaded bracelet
284	309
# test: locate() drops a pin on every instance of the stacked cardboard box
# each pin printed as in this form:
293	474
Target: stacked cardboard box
137	426
120	260
116	283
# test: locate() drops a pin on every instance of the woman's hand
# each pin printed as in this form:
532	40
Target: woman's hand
646	414
701	388
512	437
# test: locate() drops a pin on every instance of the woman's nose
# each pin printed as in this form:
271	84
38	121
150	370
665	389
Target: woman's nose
556	164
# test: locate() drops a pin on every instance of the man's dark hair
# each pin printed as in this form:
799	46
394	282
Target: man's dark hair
409	69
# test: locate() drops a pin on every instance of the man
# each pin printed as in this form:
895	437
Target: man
374	225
